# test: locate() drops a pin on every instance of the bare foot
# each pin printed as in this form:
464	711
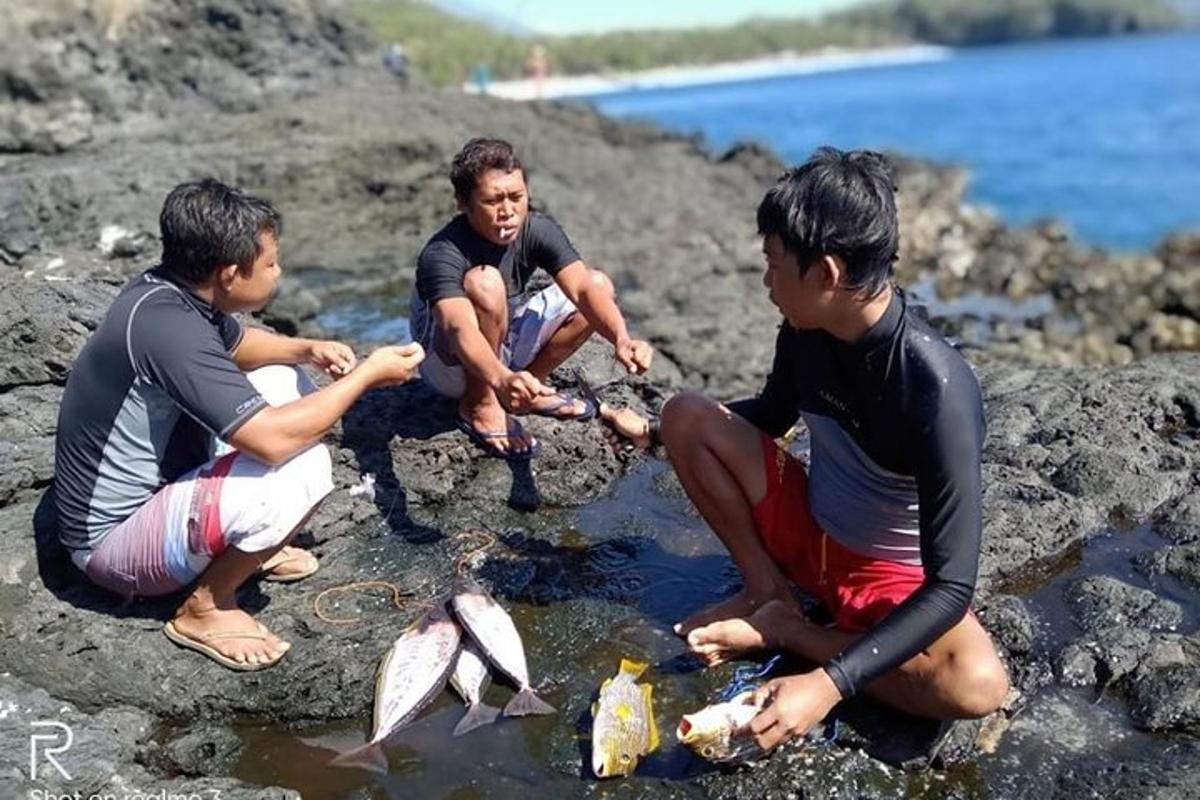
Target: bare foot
288	562
202	625
742	605
490	418
728	639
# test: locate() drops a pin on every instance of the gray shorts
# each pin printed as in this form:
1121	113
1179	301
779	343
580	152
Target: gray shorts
533	318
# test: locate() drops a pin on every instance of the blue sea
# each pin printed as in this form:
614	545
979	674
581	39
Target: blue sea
1101	133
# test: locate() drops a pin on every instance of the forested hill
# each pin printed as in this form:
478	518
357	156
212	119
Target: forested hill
446	48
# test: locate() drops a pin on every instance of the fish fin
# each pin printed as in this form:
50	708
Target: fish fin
647	692
634	668
369	757
477	715
525	702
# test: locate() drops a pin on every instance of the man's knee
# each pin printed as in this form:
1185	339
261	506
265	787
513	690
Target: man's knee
308	475
486	290
602	282
683	415
980	685
280	384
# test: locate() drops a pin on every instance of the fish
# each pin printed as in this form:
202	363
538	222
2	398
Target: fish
718	732
623	726
411	674
493	630
470	679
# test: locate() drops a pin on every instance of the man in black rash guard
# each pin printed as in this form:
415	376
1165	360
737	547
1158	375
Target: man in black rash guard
885	526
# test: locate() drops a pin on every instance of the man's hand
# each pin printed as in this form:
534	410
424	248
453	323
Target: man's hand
791	706
394	364
518	391
333	358
635	355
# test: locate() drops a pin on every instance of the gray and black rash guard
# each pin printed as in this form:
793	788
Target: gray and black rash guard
897	428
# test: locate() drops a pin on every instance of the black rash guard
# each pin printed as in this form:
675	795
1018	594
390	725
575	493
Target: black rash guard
911	403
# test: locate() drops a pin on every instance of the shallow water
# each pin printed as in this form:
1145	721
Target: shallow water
638	561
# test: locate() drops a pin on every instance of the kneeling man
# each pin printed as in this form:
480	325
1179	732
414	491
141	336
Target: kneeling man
884	527
143	505
490	339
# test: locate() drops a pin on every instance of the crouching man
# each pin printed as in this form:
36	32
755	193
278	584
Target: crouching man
147	504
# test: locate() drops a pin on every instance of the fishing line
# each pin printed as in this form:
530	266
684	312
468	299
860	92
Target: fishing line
404	600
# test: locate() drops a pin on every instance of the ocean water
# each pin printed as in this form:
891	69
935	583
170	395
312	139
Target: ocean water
1101	133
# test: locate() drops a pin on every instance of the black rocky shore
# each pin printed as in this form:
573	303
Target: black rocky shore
1093	402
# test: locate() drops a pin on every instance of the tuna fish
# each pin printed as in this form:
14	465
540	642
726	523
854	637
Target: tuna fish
412	673
493	630
470	679
623	727
718	732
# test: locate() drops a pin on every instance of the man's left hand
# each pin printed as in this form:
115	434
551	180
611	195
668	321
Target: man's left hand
635	355
791	706
334	358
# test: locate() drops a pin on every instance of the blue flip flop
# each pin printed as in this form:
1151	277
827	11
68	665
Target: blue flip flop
562	400
486	441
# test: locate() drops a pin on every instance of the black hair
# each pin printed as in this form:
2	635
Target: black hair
838	203
477	157
206	225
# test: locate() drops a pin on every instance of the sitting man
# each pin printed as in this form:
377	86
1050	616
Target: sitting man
490	340
143	506
885	527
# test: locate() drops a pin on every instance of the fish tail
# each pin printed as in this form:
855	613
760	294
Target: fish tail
477	715
525	702
369	757
634	668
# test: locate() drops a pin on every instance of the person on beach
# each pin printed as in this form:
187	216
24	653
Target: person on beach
884	526
147	503
491	339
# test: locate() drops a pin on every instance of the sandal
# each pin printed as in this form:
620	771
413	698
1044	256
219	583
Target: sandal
564	400
298	554
202	645
486	441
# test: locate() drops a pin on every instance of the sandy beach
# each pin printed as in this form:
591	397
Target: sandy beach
825	60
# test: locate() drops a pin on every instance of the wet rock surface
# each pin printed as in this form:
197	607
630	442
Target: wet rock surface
1069	449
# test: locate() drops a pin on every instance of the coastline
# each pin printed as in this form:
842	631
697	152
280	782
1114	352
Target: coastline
830	59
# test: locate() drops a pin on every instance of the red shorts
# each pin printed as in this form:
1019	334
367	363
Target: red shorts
858	591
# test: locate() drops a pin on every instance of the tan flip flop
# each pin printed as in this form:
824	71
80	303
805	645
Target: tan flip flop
201	646
289	577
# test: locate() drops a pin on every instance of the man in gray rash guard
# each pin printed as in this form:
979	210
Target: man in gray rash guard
148	502
885	526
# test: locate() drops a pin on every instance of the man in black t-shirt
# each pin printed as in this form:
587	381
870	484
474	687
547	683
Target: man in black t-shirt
490	339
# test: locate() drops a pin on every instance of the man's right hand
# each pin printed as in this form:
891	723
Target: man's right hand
518	391
394	364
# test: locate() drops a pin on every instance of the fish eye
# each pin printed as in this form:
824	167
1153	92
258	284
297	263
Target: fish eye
626	758
707	751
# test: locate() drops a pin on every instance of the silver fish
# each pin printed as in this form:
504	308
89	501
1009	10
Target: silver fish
412	673
623	726
493	630
470	679
718	732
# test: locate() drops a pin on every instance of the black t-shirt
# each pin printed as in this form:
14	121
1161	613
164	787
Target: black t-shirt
540	243
912	404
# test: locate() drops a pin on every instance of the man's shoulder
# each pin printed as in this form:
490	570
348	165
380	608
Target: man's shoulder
935	370
449	244
540	223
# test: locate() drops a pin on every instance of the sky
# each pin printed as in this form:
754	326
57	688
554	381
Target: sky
557	17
